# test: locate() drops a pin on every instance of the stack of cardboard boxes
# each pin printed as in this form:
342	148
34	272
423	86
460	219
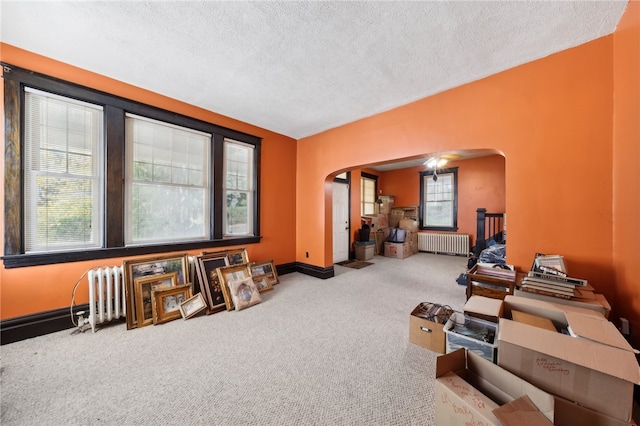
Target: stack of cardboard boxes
391	217
379	230
407	248
396	214
573	355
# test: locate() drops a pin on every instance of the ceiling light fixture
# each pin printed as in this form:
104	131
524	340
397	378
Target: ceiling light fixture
435	162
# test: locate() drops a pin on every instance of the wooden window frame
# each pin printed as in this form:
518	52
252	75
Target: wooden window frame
428	174
15	79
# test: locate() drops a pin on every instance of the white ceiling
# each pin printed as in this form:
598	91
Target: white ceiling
299	68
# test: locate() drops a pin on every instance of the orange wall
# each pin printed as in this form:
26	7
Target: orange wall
481	183
626	166
550	118
36	289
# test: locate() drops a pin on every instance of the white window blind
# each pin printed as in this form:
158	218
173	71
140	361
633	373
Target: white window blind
62	172
167	191
368	195
238	188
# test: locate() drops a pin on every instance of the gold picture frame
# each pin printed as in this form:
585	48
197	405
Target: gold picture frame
144	290
146	267
262	283
166	303
265	269
236	256
230	273
192	306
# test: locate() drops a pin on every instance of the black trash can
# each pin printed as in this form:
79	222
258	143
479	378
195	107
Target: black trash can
364	233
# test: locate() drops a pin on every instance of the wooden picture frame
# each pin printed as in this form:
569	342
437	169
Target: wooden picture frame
262	283
146	267
210	286
234	256
232	273
166	303
237	256
192	306
265	269
144	290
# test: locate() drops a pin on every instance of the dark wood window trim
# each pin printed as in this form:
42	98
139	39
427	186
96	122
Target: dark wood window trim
370	176
429	173
115	108
346	180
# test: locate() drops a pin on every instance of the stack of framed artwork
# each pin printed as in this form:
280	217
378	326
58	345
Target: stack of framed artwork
160	289
217	270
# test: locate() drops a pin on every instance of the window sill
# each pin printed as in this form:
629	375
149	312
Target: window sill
24	260
439	228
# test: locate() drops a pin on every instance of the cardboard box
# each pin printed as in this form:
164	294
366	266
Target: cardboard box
410	212
468	389
567	413
486	308
534	320
379	237
387	203
596	375
377	221
409	224
599	304
474	334
394	219
412	239
521	411
397	250
556	312
413	247
426	329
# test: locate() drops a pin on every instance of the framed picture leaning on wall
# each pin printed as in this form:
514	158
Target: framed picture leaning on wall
147	267
210	287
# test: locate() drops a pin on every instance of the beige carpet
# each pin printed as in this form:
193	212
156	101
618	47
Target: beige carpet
314	352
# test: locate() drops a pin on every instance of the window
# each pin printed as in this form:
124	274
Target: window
439	200
62	176
167	182
368	190
108	177
238	188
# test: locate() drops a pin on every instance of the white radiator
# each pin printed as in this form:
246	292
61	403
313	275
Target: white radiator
106	295
449	243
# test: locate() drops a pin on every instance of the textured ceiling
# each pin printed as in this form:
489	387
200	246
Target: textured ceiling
299	68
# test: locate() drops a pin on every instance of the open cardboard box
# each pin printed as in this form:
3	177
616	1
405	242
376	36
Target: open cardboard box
427	331
599	304
568	413
583	323
469	388
596	367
